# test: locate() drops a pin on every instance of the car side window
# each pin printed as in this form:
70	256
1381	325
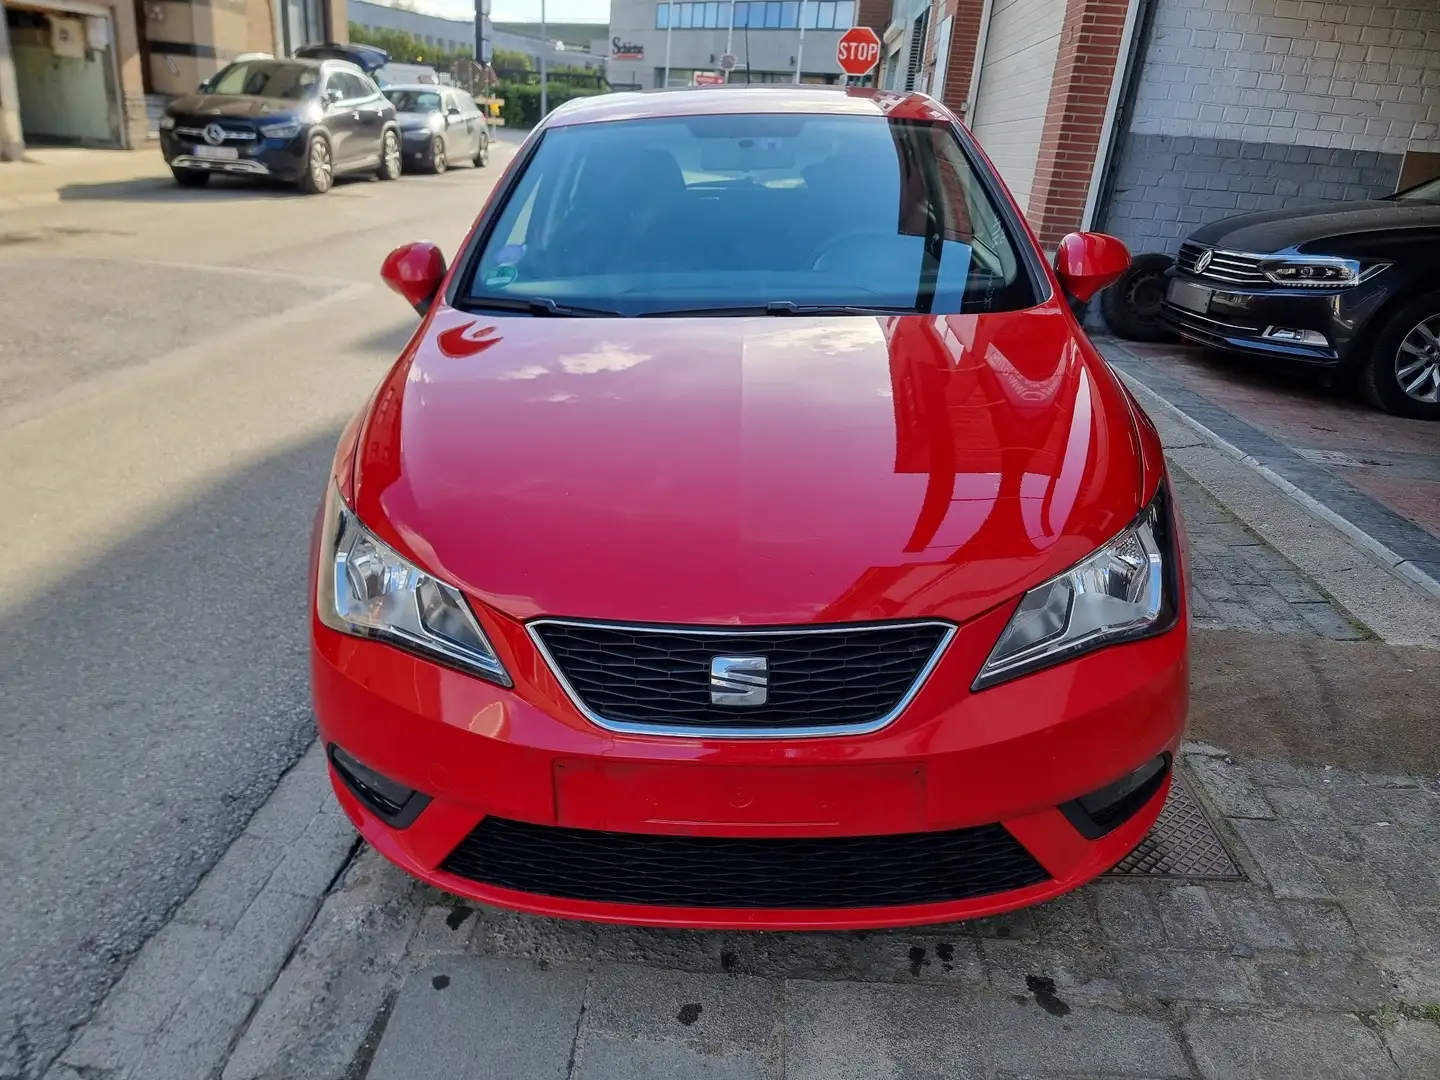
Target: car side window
368	87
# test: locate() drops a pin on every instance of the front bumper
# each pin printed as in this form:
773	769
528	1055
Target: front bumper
282	159
507	773
1239	319
416	144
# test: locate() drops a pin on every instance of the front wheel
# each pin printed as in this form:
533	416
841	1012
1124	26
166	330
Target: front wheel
389	157
437	156
482	152
1131	307
1403	373
191	178
319	167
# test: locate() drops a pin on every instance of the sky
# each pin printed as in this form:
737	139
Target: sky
596	11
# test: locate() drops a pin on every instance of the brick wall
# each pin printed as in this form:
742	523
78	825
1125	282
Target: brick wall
874	14
960	65
1253	104
1079	97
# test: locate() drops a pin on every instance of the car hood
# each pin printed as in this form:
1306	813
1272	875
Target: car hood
232	105
748	470
1280	230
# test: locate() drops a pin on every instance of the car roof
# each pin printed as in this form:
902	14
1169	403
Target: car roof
739	98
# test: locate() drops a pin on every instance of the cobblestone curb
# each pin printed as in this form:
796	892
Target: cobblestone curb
178	1008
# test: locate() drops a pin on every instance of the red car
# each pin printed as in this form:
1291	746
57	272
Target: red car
750	537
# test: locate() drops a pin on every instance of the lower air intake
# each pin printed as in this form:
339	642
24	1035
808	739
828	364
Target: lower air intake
733	872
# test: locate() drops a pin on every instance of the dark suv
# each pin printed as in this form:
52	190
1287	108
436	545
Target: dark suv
303	121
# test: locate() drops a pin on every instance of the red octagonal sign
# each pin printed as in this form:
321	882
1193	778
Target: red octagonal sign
858	51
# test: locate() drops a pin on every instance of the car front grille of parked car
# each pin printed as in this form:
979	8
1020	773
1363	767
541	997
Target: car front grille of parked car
745	872
1231	268
191	127
821	679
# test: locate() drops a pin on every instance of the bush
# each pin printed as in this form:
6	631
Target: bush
522	101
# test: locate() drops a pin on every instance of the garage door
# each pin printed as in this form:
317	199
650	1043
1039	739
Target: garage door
1009	116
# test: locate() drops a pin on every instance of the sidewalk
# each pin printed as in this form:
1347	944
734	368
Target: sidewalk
49	176
1283	921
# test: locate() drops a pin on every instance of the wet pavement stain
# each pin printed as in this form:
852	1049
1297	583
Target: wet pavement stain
1044	990
440	982
727	960
946	952
688	1014
458	914
917	959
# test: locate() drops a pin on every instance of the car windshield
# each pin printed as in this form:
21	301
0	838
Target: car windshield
267	78
1426	193
414	100
751	212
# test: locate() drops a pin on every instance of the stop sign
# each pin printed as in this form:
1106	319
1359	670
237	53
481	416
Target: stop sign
858	51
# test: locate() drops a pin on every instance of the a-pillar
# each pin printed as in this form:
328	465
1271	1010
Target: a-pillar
1090	42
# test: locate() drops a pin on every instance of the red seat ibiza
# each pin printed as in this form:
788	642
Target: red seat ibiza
750	537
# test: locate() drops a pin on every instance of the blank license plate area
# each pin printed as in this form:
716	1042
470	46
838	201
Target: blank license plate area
1194	298
621	797
217	153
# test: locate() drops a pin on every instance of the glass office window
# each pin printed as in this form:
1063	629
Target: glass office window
772	14
662	16
844	14
789	14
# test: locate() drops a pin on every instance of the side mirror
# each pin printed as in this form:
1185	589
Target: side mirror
454	110
1088	262
415	271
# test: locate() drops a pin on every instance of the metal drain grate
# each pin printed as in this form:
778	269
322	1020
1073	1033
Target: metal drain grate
1183	843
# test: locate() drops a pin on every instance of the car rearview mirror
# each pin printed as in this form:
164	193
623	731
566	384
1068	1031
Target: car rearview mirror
1087	262
415	271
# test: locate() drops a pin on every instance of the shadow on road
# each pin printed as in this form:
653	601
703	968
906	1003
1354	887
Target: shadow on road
220	189
151	701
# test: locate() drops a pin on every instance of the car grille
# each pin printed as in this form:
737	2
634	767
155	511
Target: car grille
1227	266
193	127
742	872
649	678
1204	329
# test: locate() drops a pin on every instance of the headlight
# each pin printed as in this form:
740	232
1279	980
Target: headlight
1318	270
367	589
285	129
1122	592
167	122
436	122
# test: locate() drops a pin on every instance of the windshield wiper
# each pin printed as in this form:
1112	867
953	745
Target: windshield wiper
538	306
781	307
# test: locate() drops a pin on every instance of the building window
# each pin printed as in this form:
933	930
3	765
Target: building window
757	15
917	49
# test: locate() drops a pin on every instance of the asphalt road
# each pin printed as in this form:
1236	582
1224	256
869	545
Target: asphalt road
174	370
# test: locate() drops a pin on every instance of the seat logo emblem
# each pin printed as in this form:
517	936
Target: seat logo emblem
214	134
1203	262
739	680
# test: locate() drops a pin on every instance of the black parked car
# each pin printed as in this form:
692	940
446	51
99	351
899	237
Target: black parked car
439	125
1352	289
303	121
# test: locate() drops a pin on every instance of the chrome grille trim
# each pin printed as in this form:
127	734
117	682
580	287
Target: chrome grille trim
1230	267
230	133
690	731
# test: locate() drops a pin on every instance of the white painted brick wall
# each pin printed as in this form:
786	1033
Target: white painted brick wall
1353	76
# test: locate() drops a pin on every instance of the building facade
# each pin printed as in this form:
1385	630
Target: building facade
89	73
771	40
1148	118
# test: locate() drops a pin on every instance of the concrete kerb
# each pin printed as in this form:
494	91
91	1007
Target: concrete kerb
186	998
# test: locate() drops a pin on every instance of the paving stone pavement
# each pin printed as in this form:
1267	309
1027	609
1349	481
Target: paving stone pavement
1322	963
1239	582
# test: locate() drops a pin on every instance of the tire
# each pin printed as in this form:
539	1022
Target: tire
1409	342
191	178
1131	307
390	164
319	167
482	152
437	161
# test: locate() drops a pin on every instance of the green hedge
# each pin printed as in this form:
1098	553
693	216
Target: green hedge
522	101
